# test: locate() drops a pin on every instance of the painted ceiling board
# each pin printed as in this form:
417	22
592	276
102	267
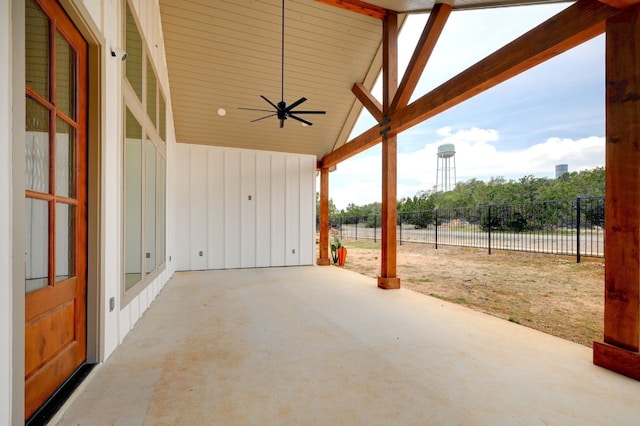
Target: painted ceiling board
225	53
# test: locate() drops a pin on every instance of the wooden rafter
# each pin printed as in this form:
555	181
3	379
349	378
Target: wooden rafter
620	4
368	100
573	26
358	7
427	42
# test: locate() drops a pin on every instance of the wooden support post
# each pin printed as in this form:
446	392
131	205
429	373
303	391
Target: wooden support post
619	351
388	278
323	247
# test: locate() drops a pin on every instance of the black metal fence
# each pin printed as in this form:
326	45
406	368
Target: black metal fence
566	227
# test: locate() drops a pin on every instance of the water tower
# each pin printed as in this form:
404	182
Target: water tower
446	153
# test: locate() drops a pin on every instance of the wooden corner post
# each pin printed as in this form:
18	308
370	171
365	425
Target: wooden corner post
619	351
388	278
323	246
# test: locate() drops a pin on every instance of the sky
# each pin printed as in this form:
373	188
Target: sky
552	114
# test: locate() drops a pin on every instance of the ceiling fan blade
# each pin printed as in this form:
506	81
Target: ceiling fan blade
308	112
295	104
256	109
270	103
308	123
262	118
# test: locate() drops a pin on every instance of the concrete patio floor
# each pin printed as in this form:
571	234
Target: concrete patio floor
321	345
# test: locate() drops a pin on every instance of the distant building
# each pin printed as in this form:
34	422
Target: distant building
561	169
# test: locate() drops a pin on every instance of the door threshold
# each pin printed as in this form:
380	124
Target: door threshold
49	409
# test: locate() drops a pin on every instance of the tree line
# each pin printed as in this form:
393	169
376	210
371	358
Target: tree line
503	195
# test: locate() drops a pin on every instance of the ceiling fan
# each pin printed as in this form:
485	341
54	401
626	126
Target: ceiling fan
281	110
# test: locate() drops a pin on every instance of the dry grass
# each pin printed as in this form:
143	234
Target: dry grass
552	294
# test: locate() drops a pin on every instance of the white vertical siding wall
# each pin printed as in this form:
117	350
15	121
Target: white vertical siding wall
108	15
263	210
255	208
278	196
215	218
248	206
307	208
230	204
6	259
198	209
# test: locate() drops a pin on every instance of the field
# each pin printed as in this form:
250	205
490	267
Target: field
549	293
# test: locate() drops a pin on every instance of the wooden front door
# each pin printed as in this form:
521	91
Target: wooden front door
56	211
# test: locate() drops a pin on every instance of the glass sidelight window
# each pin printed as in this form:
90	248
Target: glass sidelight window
144	163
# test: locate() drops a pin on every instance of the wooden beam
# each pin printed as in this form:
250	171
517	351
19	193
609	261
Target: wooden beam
571	27
358	6
388	241
389	60
622	195
620	4
427	42
388	279
323	246
616	359
368	100
360	143
578	23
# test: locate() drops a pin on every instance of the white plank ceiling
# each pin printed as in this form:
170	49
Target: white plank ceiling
225	53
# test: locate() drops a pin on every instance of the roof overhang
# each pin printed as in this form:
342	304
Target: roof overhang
225	54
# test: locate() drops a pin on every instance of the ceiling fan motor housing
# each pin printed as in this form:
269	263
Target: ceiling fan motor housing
282	110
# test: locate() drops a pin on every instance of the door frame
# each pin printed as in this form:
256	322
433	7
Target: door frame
96	105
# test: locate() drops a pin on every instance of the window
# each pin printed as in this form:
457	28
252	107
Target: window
134	51
133	200
144	164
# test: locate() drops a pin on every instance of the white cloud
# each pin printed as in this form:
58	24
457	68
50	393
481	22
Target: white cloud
358	180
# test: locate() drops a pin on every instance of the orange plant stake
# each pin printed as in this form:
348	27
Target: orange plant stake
342	255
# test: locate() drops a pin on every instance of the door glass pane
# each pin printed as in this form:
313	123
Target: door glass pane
65	241
65	76
37	49
161	209
133	201
65	159
151	94
150	206
37	244
134	55
37	147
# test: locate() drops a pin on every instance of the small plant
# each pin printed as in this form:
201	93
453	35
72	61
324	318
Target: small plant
335	245
338	252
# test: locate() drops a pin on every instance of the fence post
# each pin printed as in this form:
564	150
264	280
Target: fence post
400	217
340	227
375	228
578	214
436	214
357	220
489	222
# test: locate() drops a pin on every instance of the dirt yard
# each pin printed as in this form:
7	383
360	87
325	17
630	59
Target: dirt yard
552	294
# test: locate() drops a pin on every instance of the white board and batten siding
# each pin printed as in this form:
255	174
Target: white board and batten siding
240	208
